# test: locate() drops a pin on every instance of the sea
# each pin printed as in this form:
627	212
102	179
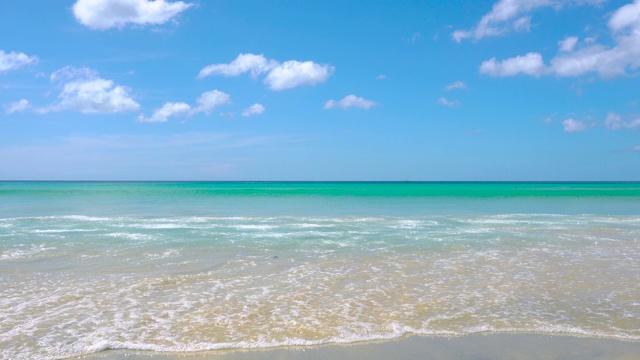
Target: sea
192	266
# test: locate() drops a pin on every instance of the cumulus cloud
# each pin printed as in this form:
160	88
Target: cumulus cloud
450	103
575	58
350	101
105	14
95	96
280	76
255	109
294	73
456	85
255	64
512	15
167	110
206	103
17	106
82	90
13	60
573	125
529	64
211	100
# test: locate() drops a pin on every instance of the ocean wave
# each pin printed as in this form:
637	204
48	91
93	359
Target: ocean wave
95	343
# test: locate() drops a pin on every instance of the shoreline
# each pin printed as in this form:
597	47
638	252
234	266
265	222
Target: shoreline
502	346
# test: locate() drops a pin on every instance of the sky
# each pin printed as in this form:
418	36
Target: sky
507	90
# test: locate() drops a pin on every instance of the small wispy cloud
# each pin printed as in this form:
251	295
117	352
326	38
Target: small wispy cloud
255	109
449	103
615	121
350	101
206	103
412	39
568	44
549	119
18	106
14	60
458	85
572	125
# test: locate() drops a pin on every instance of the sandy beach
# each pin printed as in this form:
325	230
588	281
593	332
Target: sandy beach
477	347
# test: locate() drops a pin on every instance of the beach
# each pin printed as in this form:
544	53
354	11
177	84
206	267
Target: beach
311	270
498	347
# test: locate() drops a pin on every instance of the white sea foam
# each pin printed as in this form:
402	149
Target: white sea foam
56	231
215	282
25	252
130	236
253	227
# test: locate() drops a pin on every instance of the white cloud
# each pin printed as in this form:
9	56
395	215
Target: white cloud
590	57
456	85
105	14
255	109
568	44
13	60
350	101
210	100
636	148
381	77
523	24
573	125
615	122
530	64
83	91
283	76
18	106
294	73
500	19
512	15
444	102
95	96
607	62
69	72
167	110
206	103
256	64
90	94
627	16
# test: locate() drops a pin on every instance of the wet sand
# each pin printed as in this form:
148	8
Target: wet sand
476	347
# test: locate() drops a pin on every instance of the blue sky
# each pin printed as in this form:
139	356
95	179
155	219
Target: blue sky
320	90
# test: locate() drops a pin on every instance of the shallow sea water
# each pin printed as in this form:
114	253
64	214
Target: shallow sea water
184	267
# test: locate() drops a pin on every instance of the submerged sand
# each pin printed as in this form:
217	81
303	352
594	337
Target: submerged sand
476	347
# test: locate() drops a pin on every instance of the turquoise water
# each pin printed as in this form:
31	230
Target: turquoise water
197	266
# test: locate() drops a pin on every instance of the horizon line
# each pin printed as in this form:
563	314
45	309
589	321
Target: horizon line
325	181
